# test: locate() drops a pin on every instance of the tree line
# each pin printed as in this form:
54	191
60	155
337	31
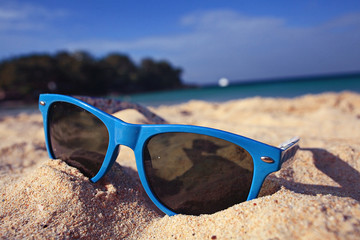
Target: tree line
25	77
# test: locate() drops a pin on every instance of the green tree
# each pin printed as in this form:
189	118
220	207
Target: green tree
120	72
80	73
158	75
26	77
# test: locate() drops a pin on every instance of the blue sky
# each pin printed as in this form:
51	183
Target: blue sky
239	40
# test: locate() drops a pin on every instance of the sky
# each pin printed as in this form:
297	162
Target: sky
209	40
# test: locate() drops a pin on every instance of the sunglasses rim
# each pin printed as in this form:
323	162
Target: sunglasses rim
49	141
119	132
202	135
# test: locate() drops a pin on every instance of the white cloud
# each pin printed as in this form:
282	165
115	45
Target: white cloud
9	14
225	43
213	44
225	20
16	16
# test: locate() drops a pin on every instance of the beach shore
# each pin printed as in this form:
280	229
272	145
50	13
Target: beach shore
317	196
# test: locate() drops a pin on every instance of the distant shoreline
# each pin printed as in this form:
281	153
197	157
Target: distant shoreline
288	79
286	87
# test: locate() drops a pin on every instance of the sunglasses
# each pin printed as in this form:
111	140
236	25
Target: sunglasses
184	169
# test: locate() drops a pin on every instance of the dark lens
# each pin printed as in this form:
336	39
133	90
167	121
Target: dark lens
197	174
77	137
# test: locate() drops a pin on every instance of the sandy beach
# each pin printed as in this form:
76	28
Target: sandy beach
317	196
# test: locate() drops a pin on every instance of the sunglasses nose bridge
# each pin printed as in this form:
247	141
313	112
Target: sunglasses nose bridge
127	134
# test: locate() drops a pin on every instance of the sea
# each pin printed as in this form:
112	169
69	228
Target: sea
279	88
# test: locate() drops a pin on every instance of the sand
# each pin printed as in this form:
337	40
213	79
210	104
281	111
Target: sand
315	197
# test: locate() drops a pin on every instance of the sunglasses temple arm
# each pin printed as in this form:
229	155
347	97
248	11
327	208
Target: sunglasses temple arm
289	149
112	106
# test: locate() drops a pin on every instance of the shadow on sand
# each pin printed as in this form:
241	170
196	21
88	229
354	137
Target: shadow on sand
332	166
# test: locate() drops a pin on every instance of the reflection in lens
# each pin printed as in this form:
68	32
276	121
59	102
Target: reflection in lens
197	174
77	137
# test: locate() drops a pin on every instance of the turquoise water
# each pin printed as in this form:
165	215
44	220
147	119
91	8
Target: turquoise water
287	88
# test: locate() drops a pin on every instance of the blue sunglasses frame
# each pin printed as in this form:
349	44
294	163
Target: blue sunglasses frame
266	158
